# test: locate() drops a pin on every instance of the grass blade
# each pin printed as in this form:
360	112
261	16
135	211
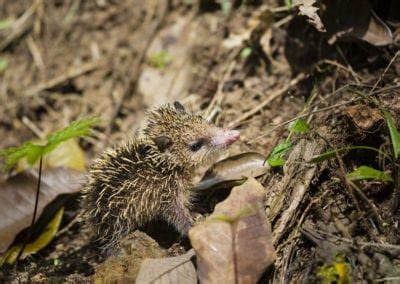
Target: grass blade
394	133
368	173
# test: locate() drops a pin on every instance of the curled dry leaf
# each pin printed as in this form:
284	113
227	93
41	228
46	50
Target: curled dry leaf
364	117
178	269
234	244
235	168
17	198
307	8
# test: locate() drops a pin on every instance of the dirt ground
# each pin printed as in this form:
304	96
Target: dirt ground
254	67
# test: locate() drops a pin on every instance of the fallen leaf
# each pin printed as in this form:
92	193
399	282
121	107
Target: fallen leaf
168	75
42	241
355	20
69	155
234	244
178	269
235	168
17	198
307	8
364	117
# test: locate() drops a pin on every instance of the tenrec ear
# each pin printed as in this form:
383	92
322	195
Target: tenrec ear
179	107
163	143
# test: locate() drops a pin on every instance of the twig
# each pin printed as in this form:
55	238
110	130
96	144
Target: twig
302	116
34	212
369	204
20	26
342	175
39	133
136	68
218	97
384	72
350	69
365	244
267	101
66	75
37	56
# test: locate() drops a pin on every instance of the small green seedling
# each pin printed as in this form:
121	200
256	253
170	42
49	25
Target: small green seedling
34	152
3	64
299	126
276	159
161	59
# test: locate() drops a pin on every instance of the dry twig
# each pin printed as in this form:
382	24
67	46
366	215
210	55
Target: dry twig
267	101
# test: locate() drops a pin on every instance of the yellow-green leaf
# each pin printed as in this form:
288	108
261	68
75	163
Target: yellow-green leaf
3	64
68	155
33	152
160	59
367	173
42	241
6	23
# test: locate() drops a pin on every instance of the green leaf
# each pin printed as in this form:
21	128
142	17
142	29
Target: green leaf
77	128
275	159
226	6
332	153
299	126
367	173
33	152
3	64
48	234
245	52
14	154
161	59
289	3
394	133
6	23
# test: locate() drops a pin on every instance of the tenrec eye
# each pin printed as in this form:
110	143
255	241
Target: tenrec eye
196	146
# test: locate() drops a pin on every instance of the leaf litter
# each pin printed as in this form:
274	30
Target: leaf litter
255	93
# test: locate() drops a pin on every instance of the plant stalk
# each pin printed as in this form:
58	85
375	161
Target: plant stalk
29	235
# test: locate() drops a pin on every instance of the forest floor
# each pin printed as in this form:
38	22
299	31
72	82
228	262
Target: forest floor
251	67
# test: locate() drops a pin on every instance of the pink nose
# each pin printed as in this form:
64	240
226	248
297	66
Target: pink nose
225	137
232	136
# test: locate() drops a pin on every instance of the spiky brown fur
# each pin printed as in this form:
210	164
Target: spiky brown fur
140	181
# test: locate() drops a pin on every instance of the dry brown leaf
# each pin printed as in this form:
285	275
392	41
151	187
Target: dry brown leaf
178	269
307	8
235	168
365	117
168	83
17	198
355	20
234	244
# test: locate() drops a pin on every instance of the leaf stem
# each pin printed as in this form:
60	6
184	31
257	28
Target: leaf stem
29	235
